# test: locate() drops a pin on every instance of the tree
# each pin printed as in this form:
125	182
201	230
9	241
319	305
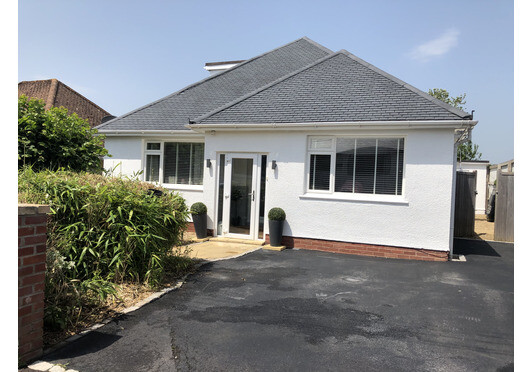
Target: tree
443	95
54	139
466	151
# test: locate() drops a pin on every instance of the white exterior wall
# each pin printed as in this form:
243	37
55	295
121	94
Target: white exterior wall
126	154
419	219
128	160
482	174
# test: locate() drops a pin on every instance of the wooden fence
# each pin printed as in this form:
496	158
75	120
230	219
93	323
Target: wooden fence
464	212
504	207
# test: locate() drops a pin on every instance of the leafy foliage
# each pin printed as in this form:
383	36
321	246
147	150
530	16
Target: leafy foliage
443	95
276	214
102	231
468	151
53	139
198	208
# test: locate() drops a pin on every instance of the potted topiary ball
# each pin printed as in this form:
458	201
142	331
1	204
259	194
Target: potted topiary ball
276	217
199	216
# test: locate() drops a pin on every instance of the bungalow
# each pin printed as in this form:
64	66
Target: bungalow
360	161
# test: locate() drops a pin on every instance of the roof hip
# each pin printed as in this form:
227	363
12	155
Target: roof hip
211	77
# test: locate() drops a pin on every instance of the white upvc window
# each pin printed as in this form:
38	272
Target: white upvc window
152	161
356	165
174	163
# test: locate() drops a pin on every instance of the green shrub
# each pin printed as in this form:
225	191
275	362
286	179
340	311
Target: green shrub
276	214
102	231
51	139
198	208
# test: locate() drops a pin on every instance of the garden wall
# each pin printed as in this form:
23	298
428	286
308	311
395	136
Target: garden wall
32	220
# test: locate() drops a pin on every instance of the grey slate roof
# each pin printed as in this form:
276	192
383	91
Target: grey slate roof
174	111
338	88
299	82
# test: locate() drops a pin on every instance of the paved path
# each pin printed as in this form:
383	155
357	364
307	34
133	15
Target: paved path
212	250
306	310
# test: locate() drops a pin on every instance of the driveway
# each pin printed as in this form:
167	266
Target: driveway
313	311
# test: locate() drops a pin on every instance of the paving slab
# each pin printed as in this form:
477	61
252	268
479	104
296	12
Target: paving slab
212	250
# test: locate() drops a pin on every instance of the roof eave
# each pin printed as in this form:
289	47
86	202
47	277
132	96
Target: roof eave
111	133
422	124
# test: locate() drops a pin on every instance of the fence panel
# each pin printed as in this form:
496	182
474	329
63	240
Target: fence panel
464	213
504	207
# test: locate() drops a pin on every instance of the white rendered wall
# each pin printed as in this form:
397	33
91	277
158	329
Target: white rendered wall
420	219
482	169
126	155
127	160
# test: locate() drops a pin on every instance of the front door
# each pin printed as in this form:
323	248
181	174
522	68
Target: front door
240	197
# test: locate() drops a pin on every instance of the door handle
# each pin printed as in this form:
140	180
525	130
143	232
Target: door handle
252	195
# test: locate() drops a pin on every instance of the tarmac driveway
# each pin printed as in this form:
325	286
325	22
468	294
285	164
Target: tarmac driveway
314	311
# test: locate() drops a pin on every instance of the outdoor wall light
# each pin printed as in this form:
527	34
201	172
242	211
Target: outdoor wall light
208	163
274	164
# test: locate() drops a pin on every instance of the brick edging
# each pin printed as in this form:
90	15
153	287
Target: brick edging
362	249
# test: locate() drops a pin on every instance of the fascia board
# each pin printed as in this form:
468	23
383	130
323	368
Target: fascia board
454	124
186	133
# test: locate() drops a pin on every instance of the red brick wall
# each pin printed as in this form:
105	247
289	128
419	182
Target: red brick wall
31	269
190	229
363	249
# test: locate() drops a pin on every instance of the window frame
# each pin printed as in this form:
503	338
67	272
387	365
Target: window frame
332	152
145	154
160	152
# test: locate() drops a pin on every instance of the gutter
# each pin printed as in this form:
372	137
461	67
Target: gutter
110	133
425	124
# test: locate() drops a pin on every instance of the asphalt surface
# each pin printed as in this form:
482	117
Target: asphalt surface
300	310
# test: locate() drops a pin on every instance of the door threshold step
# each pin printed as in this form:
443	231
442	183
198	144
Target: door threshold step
235	240
277	248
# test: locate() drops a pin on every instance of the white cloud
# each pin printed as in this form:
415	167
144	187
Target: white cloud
436	47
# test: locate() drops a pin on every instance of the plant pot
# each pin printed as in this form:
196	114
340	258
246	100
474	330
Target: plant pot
276	232
200	225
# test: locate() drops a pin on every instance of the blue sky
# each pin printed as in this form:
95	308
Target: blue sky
125	54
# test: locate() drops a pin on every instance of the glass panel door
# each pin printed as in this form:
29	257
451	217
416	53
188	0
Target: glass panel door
239	204
241	196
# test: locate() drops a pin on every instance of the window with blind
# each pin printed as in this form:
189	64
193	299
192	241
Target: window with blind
320	172
361	165
152	167
181	162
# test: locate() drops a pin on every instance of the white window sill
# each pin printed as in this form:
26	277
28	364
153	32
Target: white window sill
366	198
173	186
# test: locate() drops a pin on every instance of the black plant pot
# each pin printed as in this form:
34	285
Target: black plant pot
276	232
200	225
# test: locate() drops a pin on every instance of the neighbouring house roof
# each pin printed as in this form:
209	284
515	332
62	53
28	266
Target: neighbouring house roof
299	82
55	93
174	111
